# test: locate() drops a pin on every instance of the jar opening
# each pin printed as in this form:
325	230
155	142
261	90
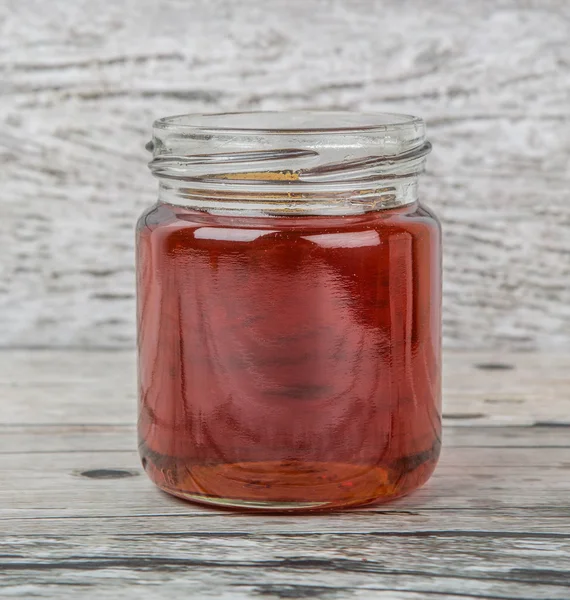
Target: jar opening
292	122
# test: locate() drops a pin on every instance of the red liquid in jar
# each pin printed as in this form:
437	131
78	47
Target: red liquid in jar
289	362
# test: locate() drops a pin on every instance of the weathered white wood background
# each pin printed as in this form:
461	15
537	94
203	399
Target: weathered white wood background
81	82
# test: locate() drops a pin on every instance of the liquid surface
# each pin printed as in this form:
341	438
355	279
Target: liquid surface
289	362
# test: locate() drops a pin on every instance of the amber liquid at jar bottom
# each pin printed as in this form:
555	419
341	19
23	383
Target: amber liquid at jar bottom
289	362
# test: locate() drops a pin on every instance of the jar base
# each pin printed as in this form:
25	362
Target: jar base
248	505
288	486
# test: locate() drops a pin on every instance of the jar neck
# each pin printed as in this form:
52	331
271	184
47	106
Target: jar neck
297	163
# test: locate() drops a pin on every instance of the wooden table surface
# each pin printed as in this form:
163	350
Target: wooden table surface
78	518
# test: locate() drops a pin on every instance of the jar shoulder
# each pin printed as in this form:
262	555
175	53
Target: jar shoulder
165	220
156	215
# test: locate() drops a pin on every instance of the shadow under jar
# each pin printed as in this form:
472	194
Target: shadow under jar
289	301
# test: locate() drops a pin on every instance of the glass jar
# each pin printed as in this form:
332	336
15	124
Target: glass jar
289	300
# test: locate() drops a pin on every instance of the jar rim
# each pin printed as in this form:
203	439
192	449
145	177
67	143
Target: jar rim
298	122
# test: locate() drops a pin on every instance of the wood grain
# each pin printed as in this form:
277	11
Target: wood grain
81	85
78	517
511	389
299	566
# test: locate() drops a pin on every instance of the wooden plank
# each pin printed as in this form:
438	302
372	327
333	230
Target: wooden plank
55	439
51	485
80	89
170	520
280	566
481	388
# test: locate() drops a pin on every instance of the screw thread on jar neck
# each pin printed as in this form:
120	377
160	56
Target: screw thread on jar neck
293	165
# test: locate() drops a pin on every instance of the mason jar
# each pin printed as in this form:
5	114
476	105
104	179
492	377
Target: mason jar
289	311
